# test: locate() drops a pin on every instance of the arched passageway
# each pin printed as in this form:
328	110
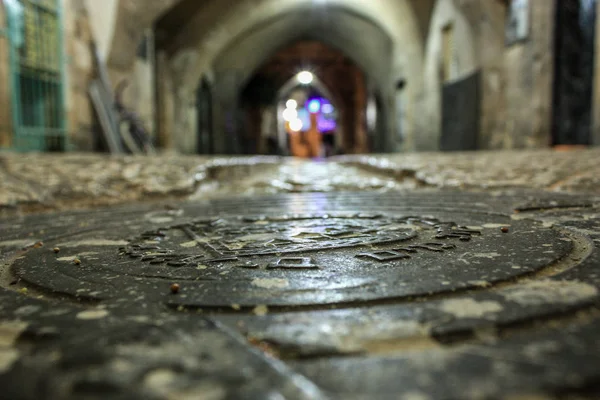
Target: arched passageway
384	40
336	82
358	40
412	53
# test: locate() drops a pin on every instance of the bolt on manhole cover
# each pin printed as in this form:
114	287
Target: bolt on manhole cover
294	255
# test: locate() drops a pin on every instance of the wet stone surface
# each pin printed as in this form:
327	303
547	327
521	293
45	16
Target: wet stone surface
51	182
311	295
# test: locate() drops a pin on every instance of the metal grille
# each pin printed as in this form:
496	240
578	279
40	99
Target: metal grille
37	75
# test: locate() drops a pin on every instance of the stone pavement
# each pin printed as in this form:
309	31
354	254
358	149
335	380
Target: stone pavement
40	182
420	276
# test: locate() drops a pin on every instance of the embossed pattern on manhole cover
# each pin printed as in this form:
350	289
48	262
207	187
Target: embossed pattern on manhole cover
297	259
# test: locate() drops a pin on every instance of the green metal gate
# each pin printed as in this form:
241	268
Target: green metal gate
37	74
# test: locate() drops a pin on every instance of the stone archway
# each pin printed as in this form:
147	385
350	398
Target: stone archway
334	77
380	56
208	27
361	40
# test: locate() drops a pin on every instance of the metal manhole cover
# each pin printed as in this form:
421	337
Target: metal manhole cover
445	295
222	257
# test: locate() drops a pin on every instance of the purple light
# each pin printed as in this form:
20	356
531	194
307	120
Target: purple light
327	108
320	106
326	125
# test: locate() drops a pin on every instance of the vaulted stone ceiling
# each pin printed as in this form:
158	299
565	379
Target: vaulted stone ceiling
212	25
188	20
359	38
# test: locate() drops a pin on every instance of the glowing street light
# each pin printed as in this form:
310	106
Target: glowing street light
290	114
291	103
296	125
305	77
314	106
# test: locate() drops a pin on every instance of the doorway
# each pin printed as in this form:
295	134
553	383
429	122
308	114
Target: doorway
205	140
574	72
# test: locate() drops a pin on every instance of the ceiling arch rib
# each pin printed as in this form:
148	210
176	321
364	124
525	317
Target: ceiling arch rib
360	39
190	20
218	23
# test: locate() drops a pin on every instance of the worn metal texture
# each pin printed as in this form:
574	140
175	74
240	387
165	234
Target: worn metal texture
313	295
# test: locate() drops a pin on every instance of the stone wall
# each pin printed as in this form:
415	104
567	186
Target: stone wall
529	72
446	15
491	48
80	71
516	87
165	94
142	97
517	78
87	20
132	21
103	23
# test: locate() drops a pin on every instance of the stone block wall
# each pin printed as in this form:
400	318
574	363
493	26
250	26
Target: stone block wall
86	21
143	89
516	98
447	14
80	71
491	48
529	73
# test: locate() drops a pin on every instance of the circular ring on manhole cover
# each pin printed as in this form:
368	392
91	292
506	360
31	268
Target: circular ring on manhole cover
302	259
